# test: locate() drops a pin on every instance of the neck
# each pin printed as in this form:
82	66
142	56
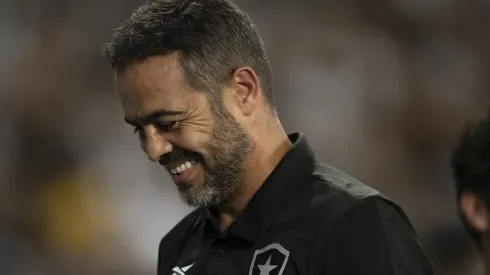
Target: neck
270	146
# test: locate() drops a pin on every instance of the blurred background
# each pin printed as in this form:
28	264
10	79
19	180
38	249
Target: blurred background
381	88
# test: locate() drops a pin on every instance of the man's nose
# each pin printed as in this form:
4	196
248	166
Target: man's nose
156	144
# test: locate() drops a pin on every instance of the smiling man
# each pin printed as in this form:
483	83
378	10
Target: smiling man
195	82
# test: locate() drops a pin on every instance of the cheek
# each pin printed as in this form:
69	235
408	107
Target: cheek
195	141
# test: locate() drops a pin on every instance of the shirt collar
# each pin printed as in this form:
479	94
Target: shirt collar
296	165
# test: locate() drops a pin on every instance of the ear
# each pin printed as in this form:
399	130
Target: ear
246	90
474	211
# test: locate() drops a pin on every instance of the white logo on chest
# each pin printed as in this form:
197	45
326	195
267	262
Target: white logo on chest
269	260
181	271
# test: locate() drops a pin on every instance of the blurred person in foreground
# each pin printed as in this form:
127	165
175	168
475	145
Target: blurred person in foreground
195	83
470	163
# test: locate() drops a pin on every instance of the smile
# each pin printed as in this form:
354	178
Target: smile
180	168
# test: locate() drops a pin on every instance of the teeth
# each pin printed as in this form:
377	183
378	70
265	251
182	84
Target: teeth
184	166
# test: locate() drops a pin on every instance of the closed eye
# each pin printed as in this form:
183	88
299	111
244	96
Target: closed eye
161	126
166	126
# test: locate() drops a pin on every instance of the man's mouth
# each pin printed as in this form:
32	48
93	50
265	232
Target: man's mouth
179	162
179	167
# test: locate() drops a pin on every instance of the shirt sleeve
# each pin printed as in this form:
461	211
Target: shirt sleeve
374	237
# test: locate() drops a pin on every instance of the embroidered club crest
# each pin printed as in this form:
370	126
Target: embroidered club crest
269	260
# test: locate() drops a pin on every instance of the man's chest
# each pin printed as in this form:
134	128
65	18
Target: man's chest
273	254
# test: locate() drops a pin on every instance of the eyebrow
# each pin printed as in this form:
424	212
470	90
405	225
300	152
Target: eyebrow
153	116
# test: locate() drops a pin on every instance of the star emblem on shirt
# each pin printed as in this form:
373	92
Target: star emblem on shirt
266	268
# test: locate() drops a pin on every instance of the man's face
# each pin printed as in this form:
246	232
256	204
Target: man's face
201	144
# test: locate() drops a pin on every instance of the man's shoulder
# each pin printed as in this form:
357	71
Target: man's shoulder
331	193
331	185
365	223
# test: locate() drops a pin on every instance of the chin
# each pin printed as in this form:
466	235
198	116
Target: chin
198	198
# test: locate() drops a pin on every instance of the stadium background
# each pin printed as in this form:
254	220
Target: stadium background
381	88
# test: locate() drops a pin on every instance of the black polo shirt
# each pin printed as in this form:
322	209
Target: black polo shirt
307	218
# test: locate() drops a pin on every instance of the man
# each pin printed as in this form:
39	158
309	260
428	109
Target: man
471	169
195	83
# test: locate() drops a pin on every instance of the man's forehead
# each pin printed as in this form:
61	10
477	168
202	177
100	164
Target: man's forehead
142	105
149	81
164	65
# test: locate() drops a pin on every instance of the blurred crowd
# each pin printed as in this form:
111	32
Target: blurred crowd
380	88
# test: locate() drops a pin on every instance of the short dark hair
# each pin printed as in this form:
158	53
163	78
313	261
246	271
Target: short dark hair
213	38
470	162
